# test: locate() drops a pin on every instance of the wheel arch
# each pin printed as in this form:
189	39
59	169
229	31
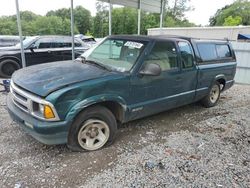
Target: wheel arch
222	80
12	58
116	105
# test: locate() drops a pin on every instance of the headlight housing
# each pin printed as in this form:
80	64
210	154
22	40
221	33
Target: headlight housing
35	105
44	111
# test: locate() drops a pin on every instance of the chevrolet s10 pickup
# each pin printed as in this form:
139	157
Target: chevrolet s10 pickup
123	78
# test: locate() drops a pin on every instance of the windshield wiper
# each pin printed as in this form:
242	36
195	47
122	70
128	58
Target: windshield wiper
97	64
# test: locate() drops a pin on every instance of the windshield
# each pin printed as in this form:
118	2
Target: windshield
26	42
118	54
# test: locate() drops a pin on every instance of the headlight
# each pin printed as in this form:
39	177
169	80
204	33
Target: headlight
44	111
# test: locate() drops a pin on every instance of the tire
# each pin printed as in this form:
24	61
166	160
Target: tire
92	129
213	96
8	67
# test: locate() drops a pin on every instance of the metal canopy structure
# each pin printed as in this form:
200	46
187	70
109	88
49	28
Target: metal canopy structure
155	6
20	33
147	5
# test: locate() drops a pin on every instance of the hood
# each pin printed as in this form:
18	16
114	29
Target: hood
45	78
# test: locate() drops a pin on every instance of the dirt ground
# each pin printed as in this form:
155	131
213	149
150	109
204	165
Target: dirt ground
186	147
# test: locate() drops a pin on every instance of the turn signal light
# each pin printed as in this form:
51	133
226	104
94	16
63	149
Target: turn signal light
48	112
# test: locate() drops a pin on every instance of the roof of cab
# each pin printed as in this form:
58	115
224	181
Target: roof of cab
148	37
170	37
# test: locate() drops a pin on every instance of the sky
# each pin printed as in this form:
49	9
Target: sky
203	9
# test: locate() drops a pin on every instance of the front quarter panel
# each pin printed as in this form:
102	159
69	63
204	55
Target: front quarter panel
71	100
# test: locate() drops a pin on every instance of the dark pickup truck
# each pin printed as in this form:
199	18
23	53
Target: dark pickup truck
121	79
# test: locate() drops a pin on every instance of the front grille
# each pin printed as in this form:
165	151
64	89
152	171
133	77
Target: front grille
19	98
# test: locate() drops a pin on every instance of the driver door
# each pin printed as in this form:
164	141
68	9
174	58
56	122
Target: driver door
41	52
152	94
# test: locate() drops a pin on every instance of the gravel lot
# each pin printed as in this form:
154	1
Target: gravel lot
186	147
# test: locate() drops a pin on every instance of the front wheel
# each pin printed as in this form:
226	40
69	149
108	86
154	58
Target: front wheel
93	128
212	98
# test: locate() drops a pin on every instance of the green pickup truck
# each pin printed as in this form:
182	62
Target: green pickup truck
123	78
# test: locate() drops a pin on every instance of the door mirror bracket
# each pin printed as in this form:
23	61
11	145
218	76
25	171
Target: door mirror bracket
32	47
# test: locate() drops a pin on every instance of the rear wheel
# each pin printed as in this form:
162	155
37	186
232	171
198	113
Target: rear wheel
94	128
8	67
212	98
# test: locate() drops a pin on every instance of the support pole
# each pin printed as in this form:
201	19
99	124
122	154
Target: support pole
72	29
139	18
20	33
162	12
110	18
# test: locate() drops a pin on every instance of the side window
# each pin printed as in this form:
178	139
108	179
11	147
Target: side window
61	42
187	55
43	43
207	51
163	54
223	51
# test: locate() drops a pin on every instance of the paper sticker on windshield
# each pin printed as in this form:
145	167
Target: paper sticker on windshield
132	44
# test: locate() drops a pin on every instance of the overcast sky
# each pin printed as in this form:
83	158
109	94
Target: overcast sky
204	9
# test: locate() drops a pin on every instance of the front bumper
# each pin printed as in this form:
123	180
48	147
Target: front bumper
45	132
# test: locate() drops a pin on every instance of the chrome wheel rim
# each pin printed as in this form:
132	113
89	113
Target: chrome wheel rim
93	134
214	93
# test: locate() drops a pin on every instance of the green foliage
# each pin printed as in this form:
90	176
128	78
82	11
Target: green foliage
53	25
89	33
81	15
124	21
100	24
238	9
82	19
149	21
171	21
230	21
7	26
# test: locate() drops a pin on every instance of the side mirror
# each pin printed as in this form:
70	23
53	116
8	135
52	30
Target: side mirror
151	69
32	47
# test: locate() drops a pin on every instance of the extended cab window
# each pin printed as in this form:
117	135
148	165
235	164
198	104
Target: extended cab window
187	55
223	51
210	51
207	51
163	54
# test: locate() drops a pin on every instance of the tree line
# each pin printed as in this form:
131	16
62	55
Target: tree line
124	19
237	13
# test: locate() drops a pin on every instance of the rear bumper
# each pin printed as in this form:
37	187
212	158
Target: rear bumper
228	84
45	132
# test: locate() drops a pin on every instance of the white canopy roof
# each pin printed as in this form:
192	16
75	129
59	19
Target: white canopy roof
147	5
